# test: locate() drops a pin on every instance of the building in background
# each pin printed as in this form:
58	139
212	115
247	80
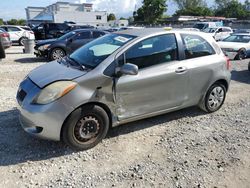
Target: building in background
82	14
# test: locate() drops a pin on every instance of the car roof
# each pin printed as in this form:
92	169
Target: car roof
155	31
88	29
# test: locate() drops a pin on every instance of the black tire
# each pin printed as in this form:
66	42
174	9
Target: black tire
241	55
21	40
85	127
249	66
2	51
56	53
208	105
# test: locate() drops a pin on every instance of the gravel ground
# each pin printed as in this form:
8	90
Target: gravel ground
187	148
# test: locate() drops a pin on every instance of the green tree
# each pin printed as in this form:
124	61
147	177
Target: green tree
195	11
151	11
1	21
12	22
111	17
233	9
21	22
220	4
122	18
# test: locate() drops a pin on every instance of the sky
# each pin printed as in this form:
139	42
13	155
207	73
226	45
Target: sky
16	8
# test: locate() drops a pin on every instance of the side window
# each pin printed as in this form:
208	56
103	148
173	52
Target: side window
153	51
226	30
82	35
196	46
13	29
97	34
53	27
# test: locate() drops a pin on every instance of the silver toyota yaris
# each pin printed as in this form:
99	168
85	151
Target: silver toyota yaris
120	78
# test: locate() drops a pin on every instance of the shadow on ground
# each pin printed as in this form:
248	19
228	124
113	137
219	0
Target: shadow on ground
242	76
31	60
16	146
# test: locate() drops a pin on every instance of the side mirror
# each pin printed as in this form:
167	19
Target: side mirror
128	69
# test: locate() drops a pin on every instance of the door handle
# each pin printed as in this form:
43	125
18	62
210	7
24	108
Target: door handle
180	70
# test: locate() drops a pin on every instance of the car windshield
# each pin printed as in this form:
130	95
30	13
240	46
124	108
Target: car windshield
209	30
67	35
238	38
93	53
200	26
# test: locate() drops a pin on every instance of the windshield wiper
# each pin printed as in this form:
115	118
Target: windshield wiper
72	60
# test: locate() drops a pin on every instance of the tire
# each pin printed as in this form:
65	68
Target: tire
249	66
21	40
214	98
56	53
85	127
2	51
241	55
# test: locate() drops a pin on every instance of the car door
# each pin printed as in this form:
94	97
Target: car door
161	82
79	40
200	60
15	33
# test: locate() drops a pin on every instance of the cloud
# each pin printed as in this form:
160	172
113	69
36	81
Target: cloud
119	7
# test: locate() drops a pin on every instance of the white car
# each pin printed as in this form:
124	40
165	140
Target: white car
18	33
219	33
236	46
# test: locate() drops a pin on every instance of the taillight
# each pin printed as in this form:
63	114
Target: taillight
5	34
228	63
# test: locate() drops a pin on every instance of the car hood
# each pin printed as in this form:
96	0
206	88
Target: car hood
43	42
52	72
234	45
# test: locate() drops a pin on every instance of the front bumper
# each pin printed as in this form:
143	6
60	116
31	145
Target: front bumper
43	121
40	53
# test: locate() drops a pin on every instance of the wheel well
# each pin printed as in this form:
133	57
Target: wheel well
103	106
223	82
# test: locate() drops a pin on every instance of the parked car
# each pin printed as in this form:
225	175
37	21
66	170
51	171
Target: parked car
236	46
6	42
204	25
219	33
241	31
57	48
18	33
2	50
119	78
75	27
50	30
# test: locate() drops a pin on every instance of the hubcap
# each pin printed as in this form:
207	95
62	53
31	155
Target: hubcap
86	128
216	98
57	54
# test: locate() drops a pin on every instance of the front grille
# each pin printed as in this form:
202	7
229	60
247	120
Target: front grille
21	94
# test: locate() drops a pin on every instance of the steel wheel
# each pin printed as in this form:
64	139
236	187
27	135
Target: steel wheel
216	98
57	54
87	129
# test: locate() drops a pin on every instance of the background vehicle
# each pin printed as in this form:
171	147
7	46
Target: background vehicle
79	97
75	27
219	33
204	25
18	33
236	46
5	38
50	30
2	51
66	44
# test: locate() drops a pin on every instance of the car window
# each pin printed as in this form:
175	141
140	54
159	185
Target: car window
97	34
26	28
226	30
53	27
196	46
153	51
82	35
14	29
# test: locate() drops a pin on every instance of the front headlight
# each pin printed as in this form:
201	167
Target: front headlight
54	91
44	47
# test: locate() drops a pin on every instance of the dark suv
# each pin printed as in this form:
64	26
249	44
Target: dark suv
50	30
66	44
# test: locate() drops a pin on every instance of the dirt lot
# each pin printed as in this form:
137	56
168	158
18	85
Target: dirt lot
187	148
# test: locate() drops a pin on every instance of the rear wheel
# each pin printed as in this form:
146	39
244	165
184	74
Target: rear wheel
21	41
249	66
241	55
214	98
85	127
57	53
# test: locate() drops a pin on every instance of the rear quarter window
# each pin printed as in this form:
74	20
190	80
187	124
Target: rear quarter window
196	46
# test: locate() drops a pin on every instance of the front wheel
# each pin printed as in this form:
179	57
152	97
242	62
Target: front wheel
85	127
21	41
214	98
57	53
241	55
